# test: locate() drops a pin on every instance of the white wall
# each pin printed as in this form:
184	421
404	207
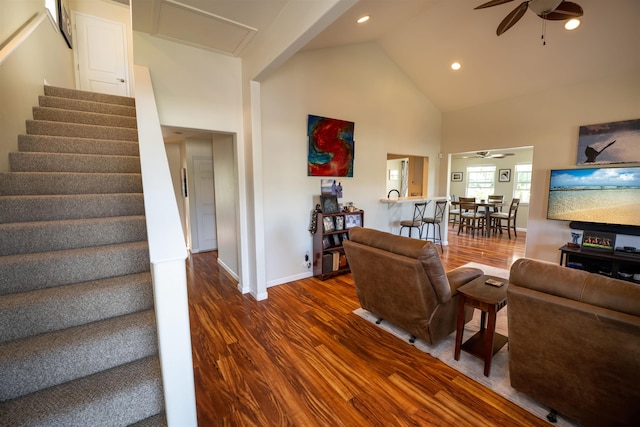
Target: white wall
226	190
548	121
356	83
198	89
174	158
194	88
44	56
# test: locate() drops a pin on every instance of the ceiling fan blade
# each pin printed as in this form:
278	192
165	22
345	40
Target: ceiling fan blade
511	19
492	3
566	10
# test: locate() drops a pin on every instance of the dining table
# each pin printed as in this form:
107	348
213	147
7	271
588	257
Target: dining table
489	205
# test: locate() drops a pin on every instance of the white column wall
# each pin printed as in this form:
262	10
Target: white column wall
357	83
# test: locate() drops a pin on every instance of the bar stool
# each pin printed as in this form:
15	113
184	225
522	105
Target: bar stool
416	222
436	220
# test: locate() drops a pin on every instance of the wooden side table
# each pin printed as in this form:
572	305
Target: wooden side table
489	299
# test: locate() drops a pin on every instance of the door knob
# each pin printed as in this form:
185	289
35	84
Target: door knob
120	80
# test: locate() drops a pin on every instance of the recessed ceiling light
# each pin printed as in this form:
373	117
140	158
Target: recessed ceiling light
456	66
572	24
363	19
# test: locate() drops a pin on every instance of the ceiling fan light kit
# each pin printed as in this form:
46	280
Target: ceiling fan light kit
487	155
553	10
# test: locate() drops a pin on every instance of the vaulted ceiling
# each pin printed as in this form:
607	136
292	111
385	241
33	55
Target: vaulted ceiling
423	37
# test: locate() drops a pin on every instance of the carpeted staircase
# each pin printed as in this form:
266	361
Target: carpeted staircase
78	340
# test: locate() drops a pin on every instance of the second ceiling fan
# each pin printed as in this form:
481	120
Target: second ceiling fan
487	155
554	10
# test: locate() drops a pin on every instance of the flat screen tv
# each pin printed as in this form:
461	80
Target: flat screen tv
597	195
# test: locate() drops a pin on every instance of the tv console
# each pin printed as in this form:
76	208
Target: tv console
618	264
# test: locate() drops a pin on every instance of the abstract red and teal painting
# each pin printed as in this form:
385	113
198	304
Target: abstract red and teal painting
330	147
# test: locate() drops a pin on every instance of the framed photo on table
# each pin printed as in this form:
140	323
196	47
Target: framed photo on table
352	220
328	224
329	204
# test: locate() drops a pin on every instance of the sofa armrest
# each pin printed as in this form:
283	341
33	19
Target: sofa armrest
461	276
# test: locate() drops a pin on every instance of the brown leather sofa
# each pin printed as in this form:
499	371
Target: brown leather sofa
402	281
574	342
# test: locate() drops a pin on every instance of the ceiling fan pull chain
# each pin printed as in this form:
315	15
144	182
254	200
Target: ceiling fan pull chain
544	30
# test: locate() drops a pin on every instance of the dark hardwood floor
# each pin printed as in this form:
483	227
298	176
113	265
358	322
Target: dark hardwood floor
302	358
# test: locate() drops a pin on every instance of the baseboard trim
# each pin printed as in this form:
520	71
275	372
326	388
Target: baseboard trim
288	279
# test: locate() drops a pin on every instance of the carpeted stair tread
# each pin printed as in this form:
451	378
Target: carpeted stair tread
83	117
64	162
30	208
63	144
78	333
43	183
28	272
42	236
43	361
42	127
89	96
119	396
88	106
31	313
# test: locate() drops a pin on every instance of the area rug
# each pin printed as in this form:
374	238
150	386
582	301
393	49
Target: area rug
470	366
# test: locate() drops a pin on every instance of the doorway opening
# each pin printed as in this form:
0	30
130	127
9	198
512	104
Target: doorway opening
505	171
204	174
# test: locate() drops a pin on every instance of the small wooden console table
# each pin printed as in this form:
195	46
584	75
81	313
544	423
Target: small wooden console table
489	299
611	264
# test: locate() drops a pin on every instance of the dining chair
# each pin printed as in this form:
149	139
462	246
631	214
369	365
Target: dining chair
453	212
470	218
457	211
498	218
416	222
496	198
436	220
493	198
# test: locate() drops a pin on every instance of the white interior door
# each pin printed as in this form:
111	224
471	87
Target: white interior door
205	204
101	55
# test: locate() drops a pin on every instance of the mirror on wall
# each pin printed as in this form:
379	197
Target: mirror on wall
407	174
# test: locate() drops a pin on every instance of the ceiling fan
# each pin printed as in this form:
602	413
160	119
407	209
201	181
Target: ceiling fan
554	10
487	155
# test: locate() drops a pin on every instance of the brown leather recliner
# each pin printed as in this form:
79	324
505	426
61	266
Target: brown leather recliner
574	342
402	281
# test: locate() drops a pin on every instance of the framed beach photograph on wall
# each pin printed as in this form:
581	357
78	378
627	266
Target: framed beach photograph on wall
456	176
504	175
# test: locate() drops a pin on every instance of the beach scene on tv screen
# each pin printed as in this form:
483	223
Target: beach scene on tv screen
604	195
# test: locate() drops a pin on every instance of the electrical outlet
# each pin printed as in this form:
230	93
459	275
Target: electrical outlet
307	262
